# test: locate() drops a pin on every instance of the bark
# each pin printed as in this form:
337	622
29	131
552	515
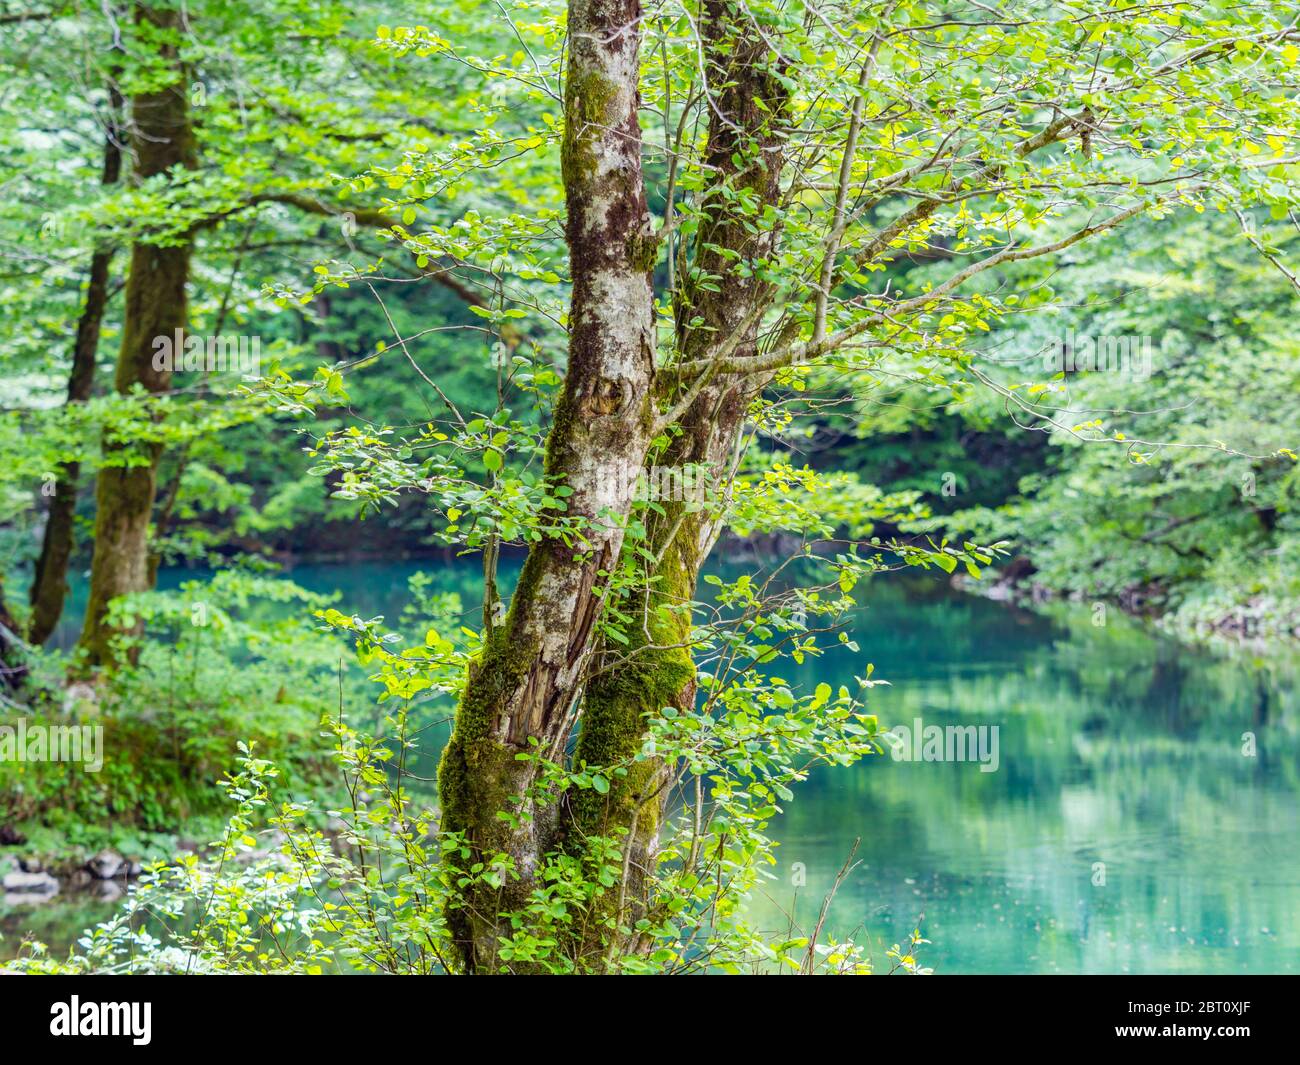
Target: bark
162	140
50	582
630	686
523	687
328	351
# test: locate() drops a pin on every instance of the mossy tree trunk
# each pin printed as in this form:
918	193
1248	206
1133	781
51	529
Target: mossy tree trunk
547	653
162	140
522	691
627	687
50	581
630	686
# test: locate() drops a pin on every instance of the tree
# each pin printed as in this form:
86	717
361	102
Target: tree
49	581
1190	489
163	145
237	200
812	146
597	776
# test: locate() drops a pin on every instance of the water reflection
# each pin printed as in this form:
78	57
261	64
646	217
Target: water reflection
1124	830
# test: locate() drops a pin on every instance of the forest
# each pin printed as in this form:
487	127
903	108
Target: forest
649	487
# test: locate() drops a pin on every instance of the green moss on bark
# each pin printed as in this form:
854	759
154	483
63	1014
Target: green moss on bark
474	778
587	96
654	671
643	251
479	775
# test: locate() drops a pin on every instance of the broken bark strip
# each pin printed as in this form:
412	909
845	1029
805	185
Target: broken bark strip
50	581
523	686
162	140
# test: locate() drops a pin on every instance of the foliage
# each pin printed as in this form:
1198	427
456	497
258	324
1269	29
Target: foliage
508	265
1188	510
370	895
229	670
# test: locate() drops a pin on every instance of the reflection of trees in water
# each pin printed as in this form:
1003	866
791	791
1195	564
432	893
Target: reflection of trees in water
1117	746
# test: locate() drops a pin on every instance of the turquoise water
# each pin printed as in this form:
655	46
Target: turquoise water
1124	829
1115	747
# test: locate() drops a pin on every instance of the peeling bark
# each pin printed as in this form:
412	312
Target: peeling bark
523	687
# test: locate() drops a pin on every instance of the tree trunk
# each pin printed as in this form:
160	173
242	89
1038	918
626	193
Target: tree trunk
628	687
631	685
162	140
50	581
523	688
520	695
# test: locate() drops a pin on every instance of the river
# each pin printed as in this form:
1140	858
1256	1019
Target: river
1143	815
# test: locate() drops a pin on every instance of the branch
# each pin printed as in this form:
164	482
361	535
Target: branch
840	220
1049	134
1255	242
806	351
26	16
369	217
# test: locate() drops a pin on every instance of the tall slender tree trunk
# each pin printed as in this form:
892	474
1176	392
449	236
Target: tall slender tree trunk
162	140
522	690
50	582
631	685
521	695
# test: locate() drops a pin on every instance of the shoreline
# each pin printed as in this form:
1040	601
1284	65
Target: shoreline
1234	629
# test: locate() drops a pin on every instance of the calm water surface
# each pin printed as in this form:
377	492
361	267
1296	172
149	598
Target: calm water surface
1124	830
